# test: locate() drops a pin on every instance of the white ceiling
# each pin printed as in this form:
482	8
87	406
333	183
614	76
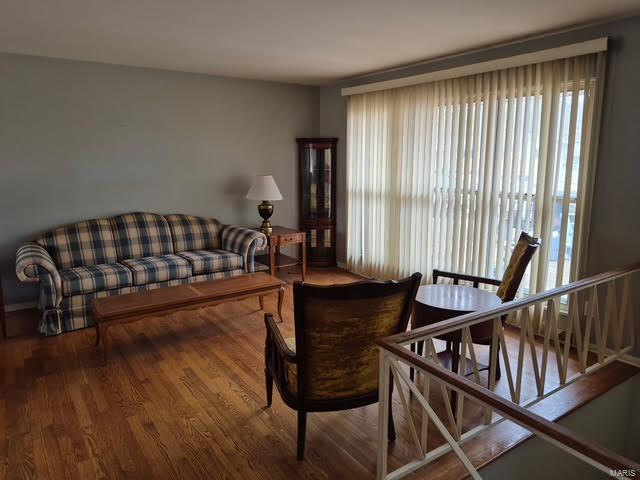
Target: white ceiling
299	41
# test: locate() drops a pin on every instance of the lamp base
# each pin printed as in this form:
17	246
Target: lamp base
265	209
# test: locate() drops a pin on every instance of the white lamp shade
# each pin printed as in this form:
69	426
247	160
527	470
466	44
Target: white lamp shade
264	188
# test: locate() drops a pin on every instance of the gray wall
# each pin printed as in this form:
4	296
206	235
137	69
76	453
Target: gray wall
81	140
615	227
605	421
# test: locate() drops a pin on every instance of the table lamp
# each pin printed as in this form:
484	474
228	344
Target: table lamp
264	188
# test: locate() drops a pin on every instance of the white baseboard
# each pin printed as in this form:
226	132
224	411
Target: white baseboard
342	265
14	307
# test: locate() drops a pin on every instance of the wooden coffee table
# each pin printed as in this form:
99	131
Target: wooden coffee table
131	307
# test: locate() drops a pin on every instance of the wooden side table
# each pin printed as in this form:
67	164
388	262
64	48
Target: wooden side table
275	260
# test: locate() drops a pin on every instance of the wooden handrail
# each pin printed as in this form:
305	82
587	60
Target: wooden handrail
513	411
473	318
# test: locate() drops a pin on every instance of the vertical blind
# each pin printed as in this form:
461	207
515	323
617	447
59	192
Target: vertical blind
446	174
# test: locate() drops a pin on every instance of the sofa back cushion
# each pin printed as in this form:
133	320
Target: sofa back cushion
139	235
192	233
90	242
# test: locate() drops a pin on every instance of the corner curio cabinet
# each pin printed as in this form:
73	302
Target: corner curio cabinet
317	157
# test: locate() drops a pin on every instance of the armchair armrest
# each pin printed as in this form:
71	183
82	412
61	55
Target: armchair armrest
243	241
278	358
34	264
477	280
274	337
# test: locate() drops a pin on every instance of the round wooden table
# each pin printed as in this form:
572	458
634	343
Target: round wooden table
435	303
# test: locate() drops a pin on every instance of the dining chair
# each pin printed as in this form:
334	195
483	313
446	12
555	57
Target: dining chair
481	334
332	362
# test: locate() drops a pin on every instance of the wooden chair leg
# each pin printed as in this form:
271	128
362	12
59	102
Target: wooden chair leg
302	430
455	361
268	379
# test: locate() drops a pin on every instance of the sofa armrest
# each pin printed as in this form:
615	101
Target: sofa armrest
243	241
33	264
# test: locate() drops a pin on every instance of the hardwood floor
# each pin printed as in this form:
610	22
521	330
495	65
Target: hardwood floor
181	397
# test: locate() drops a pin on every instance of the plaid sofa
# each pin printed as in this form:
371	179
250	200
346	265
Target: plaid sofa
128	253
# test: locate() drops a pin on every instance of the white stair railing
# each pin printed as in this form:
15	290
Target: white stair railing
596	328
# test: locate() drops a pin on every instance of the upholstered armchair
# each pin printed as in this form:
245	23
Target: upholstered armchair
332	363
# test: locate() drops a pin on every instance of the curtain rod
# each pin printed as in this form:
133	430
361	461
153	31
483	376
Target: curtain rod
566	51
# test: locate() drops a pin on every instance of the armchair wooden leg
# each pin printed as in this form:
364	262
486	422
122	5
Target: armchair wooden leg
455	361
302	430
268	380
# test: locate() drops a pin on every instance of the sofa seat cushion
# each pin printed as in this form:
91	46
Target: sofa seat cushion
94	278
211	261
158	269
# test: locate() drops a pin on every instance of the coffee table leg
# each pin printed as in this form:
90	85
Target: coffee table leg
261	299
97	334
280	298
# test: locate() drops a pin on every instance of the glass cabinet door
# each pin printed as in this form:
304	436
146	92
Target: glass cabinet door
317	189
316	183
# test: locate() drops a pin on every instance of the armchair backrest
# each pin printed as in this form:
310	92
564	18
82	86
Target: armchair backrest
336	332
518	263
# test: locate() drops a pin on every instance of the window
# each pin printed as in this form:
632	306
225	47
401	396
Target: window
446	174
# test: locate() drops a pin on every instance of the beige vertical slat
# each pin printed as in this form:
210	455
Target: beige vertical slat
516	175
596	71
578	73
